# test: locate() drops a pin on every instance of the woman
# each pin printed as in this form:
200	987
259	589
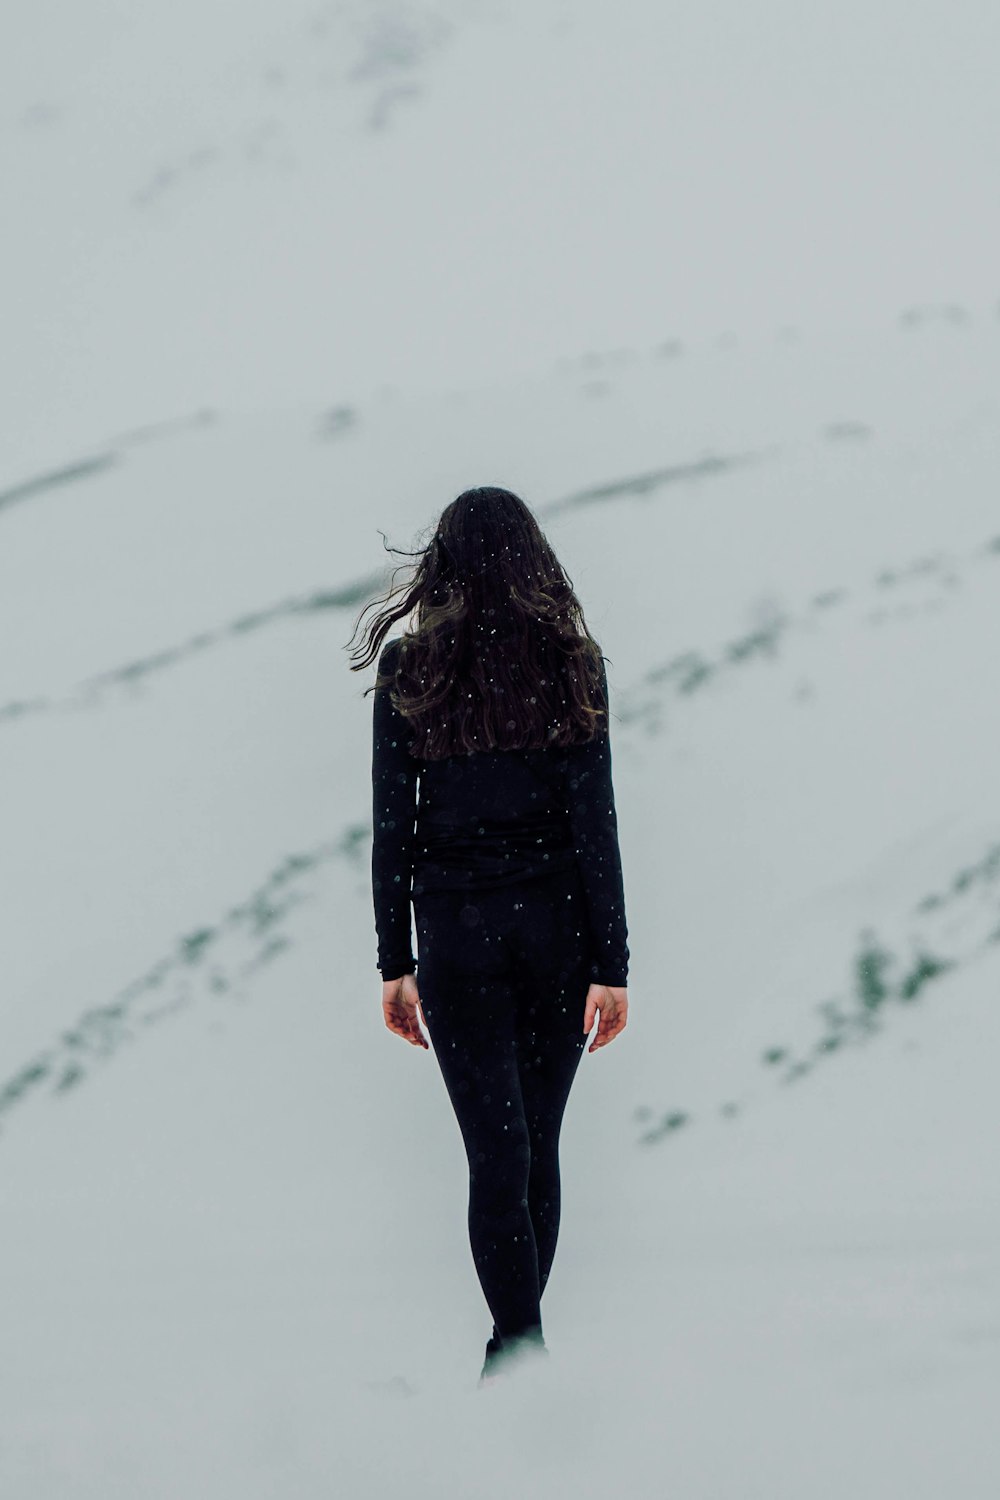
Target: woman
495	705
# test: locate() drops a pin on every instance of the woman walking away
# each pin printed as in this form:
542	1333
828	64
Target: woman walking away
494	705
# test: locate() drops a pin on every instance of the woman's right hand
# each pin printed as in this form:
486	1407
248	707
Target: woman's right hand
613	1006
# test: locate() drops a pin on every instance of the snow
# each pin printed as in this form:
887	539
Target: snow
232	1206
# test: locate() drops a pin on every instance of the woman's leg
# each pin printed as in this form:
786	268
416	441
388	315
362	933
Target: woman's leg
554	961
547	1075
467	998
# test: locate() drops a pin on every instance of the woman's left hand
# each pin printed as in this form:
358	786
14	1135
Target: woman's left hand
401	1007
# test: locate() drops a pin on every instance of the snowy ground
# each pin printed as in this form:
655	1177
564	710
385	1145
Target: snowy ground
232	1206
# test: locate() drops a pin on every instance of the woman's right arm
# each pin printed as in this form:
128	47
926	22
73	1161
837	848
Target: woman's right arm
594	822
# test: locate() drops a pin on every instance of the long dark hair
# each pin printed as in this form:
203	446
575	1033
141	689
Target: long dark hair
499	656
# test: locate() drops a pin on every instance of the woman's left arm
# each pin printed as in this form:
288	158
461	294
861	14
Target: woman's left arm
394	812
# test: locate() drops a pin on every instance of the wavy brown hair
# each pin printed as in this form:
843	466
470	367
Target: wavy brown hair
498	656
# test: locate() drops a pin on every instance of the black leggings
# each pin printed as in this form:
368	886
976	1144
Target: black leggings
503	976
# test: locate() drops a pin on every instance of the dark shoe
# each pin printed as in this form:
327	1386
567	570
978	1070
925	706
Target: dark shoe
503	1354
494	1353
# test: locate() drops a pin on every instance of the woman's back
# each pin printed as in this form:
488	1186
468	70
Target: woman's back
487	818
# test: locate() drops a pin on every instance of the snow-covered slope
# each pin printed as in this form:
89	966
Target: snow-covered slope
232	1205
259	204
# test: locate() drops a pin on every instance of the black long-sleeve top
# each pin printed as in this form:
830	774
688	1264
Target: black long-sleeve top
487	818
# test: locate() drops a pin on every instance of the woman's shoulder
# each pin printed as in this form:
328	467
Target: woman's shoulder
389	655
